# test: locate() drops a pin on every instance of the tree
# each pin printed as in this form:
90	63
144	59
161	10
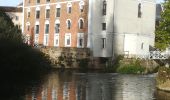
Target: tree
8	30
162	38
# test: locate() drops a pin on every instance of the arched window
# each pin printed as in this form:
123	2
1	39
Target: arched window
81	5
81	23
68	24
139	11
57	26
69	5
37	12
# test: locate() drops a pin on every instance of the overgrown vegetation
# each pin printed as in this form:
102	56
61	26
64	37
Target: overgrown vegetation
133	67
20	63
162	38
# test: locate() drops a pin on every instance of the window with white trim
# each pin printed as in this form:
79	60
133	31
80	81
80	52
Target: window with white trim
37	29
47	28
68	23
38	1
81	5
57	27
142	45
81	23
58	12
80	40
47	13
47	1
37	14
68	39
56	40
28	12
69	5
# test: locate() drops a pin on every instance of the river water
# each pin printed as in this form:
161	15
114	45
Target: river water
70	85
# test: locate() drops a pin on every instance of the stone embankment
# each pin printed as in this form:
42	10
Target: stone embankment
163	79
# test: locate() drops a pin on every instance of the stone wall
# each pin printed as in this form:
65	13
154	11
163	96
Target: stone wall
67	57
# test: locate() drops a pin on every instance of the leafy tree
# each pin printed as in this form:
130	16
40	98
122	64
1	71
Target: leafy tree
163	29
8	30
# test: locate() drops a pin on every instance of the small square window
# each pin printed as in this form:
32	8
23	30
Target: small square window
103	26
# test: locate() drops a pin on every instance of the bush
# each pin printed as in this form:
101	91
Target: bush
133	68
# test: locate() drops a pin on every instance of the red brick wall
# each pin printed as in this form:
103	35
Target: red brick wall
74	16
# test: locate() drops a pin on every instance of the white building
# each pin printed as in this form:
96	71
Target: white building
121	27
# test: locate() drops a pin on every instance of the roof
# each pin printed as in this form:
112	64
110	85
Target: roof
10	9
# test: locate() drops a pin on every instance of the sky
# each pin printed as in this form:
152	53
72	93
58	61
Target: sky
16	2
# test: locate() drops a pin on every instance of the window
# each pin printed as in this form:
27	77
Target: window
80	40
56	40
69	9
58	12
46	28
36	29
81	23
81	5
67	39
69	5
103	26
103	42
28	1
16	18
28	12
142	45
104	7
68	24
47	0
37	14
28	27
57	28
139	11
38	1
47	13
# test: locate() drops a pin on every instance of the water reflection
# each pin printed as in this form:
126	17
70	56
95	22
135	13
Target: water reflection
93	86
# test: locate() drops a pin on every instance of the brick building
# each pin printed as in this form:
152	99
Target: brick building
106	27
58	23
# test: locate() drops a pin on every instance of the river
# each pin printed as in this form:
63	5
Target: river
70	85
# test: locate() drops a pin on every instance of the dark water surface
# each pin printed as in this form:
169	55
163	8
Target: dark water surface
69	85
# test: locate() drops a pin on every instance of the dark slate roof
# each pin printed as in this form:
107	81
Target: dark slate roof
10	9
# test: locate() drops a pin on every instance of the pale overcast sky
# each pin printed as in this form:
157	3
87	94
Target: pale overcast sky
16	2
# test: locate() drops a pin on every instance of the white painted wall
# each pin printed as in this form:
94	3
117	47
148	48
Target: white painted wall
125	31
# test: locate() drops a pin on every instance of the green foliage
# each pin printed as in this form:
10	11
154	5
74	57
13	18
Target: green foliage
163	75
8	30
162	38
133	68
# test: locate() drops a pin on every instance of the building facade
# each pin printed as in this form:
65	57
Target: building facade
15	13
56	23
107	27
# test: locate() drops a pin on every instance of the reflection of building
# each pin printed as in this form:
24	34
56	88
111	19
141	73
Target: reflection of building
15	13
107	27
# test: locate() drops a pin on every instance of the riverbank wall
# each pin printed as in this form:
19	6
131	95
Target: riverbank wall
73	58
76	58
163	79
